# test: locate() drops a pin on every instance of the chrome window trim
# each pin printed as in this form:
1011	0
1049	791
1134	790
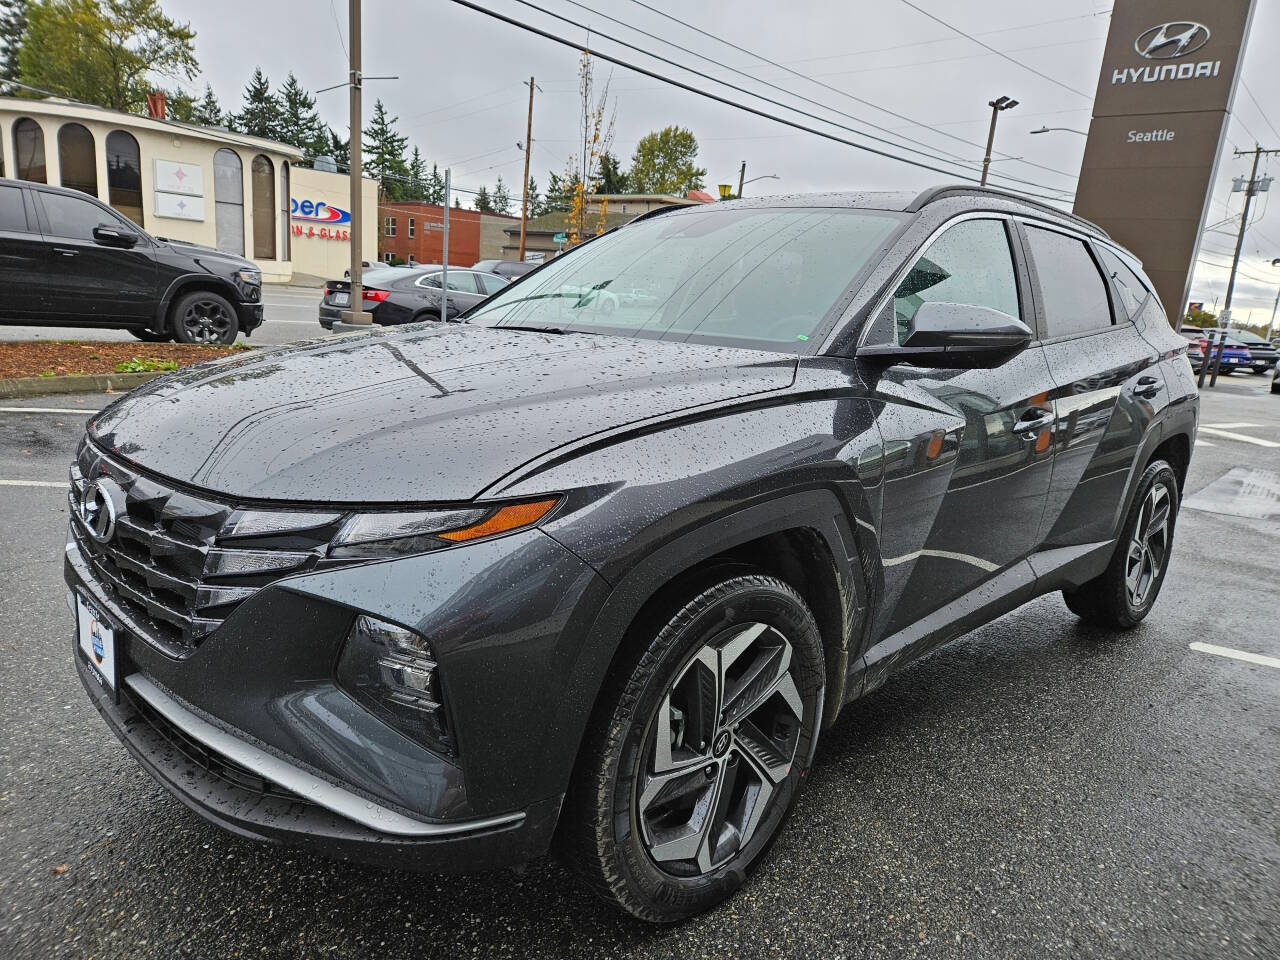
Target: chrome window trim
343	802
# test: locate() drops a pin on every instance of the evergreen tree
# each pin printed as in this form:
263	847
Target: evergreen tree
613	179
340	149
417	189
179	105
560	192
384	152
533	201
208	111
435	186
300	125
482	201
261	116
13	26
501	198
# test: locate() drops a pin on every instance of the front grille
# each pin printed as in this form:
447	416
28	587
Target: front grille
200	756
174	563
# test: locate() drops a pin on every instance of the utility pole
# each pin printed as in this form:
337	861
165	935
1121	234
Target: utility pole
524	187
1271	327
357	314
1253	186
444	256
742	177
1001	103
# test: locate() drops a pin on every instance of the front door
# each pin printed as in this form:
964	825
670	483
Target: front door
23	258
967	452
89	281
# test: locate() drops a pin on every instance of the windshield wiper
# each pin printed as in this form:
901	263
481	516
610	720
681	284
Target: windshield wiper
530	327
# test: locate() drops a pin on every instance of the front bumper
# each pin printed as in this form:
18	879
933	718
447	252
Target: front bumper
249	316
505	618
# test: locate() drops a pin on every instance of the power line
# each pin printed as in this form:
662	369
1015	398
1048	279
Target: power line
843	93
1263	113
745	108
998	53
751	93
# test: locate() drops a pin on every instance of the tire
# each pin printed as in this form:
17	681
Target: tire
1127	590
1275	386
204	317
641	822
150	336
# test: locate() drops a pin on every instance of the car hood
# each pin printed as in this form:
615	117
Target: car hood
430	413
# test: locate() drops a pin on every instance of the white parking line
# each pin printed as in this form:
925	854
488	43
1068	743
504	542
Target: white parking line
1237	654
47	410
1229	426
1204	443
1243	438
34	483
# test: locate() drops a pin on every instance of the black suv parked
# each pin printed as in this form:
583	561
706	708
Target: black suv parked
434	596
67	260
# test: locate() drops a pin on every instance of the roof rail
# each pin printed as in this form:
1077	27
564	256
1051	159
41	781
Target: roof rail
933	194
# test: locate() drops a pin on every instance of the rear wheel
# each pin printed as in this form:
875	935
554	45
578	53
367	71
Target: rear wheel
204	317
699	752
1126	591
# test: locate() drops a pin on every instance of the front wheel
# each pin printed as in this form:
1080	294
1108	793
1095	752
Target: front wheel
700	750
1126	591
204	317
150	336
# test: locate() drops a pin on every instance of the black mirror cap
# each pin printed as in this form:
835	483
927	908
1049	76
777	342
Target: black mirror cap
112	236
958	336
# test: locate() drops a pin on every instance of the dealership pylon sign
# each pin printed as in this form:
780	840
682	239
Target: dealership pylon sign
1164	96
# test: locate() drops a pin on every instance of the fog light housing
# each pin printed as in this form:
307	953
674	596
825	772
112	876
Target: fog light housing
392	672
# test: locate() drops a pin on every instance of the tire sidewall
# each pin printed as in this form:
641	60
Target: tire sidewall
1161	471
754	599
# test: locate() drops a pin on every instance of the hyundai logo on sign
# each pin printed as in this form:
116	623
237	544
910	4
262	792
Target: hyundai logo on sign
317	211
1169	40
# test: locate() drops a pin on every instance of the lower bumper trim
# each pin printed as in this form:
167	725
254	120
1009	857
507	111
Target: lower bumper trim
316	790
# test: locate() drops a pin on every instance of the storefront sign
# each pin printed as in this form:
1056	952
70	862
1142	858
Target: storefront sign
1159	118
173	176
317	211
177	207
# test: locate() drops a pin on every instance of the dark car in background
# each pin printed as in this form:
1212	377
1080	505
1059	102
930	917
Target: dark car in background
396	295
1262	355
453	595
511	269
67	260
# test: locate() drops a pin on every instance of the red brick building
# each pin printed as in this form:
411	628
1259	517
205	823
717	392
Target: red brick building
411	230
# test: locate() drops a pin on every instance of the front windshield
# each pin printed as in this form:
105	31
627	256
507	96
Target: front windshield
763	277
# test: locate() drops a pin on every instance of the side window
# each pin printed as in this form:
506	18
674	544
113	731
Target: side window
1071	285
462	281
969	263
74	218
490	283
430	280
13	217
1132	293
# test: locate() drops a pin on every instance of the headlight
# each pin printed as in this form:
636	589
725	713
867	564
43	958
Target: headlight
403	533
250	278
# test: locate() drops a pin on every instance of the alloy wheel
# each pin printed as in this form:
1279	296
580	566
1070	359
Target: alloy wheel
1149	546
719	745
206	321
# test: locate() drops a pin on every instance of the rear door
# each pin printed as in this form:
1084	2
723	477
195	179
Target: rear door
87	280
1107	383
967	452
23	258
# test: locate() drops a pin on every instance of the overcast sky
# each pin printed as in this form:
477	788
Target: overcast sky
460	95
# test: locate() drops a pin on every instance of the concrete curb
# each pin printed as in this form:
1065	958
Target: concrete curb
79	383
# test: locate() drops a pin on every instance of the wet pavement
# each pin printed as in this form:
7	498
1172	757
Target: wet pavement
1034	789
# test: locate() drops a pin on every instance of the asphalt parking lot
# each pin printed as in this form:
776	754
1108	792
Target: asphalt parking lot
292	313
1036	789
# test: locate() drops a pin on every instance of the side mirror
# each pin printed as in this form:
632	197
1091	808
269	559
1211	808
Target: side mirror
957	335
113	236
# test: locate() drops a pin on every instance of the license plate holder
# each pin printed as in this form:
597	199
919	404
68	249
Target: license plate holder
340	300
97	638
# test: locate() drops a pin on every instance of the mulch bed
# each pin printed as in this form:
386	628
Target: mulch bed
60	358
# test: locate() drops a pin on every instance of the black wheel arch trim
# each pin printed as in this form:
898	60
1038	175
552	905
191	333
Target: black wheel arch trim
187	283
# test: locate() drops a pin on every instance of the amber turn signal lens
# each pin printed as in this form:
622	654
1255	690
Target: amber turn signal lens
511	517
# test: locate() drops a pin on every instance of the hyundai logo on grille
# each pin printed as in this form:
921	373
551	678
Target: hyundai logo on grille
1168	40
98	511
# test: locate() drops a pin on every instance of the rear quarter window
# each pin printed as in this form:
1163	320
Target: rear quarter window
1073	293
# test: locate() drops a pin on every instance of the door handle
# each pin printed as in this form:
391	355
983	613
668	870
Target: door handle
66	251
1147	387
1032	422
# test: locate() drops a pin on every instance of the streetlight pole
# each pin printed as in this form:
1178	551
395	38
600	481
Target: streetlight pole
742	173
1001	103
356	314
1271	327
1060	129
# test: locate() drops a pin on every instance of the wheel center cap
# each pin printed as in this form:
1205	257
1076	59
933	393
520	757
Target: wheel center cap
721	745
